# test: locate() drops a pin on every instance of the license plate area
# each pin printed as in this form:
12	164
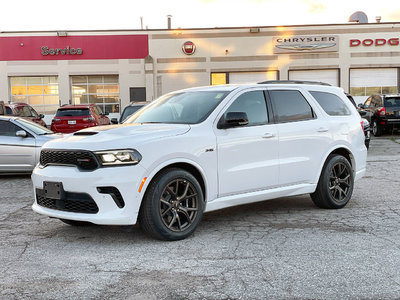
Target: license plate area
53	190
72	122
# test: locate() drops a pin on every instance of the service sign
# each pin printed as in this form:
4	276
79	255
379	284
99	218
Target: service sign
306	44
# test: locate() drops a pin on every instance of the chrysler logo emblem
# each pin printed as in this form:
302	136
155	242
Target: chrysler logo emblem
188	48
306	47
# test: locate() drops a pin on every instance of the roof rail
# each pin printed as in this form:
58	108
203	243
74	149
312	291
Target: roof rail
293	82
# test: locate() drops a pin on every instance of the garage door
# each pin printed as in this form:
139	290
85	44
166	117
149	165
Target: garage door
252	77
327	76
366	82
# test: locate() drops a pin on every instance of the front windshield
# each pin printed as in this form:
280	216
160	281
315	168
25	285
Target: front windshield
180	108
36	128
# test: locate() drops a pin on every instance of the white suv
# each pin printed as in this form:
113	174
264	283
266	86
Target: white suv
203	149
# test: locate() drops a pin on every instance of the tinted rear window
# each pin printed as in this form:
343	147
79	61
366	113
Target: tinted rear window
392	101
331	103
77	112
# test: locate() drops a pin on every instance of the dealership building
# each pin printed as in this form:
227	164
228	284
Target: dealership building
113	68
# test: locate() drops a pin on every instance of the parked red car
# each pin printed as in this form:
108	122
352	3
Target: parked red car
71	118
25	111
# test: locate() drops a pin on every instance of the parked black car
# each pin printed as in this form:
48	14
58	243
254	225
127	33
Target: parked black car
365	123
383	112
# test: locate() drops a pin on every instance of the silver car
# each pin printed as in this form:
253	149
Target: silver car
20	143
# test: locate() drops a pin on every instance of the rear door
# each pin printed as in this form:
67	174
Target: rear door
17	154
304	136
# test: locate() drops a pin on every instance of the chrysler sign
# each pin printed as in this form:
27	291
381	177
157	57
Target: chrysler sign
295	44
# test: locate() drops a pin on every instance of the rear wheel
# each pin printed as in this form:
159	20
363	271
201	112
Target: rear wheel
172	206
376	128
335	185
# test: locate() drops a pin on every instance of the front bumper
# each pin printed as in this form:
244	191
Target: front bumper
126	179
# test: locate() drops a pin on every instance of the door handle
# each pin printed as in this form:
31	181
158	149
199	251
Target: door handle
268	135
322	129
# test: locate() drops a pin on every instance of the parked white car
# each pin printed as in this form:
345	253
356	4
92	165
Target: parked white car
203	149
20	143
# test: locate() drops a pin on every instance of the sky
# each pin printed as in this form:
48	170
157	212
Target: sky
34	15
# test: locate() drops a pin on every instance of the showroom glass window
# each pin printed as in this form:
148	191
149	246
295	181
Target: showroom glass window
331	104
290	106
102	90
39	92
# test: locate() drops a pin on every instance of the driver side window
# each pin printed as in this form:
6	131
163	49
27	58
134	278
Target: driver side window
8	129
254	105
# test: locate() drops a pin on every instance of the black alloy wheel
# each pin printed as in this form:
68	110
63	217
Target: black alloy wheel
178	205
336	183
339	181
172	206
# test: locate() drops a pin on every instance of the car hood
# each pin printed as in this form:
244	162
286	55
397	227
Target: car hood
117	136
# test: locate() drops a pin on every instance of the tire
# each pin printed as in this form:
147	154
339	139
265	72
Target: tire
376	128
76	223
172	206
336	183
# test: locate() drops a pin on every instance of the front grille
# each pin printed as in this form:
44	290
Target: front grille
73	202
85	160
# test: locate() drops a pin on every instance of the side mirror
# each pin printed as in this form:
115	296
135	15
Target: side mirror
234	119
41	116
114	121
21	133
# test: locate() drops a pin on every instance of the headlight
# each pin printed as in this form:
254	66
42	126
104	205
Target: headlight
119	157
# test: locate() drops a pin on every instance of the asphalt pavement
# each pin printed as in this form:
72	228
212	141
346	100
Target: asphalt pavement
279	249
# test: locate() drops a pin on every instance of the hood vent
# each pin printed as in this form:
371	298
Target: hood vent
86	133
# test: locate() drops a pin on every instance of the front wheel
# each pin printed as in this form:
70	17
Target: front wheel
336	183
376	128
172	206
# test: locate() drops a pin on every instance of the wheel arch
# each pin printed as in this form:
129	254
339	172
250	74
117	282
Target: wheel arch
190	167
340	150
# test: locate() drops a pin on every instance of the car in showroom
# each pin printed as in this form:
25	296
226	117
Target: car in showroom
71	118
129	110
24	110
203	149
383	113
20	143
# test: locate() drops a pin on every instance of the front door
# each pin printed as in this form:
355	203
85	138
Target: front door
17	154
248	155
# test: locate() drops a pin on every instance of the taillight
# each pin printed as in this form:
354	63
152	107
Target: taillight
362	126
382	111
89	120
56	120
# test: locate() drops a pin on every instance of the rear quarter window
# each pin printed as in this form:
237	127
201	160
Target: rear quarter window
72	112
332	104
